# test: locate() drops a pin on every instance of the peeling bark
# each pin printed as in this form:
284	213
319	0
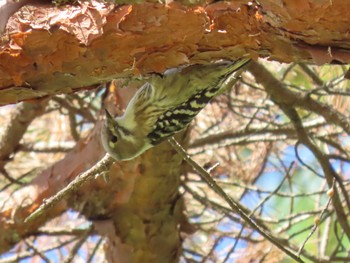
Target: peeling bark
49	50
8	8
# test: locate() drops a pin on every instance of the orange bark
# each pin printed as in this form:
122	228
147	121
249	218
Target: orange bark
49	50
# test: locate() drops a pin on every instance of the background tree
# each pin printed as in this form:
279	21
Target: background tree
276	143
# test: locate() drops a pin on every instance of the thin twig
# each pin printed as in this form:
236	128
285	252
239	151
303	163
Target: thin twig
94	251
100	167
287	101
234	205
319	220
37	251
78	245
264	200
315	77
28	254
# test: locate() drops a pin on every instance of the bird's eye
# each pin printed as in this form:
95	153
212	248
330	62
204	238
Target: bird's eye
114	138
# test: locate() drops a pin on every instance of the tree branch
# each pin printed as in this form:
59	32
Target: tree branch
73	186
287	100
236	207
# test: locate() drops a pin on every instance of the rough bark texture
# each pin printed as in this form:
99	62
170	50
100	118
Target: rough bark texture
49	50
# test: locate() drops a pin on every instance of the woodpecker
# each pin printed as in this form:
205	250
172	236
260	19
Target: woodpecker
165	105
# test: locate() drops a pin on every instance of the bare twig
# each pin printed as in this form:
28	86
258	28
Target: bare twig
77	245
236	207
315	78
99	168
279	93
27	254
287	100
37	251
93	253
47	147
18	123
318	220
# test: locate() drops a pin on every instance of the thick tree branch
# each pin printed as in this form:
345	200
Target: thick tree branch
50	50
